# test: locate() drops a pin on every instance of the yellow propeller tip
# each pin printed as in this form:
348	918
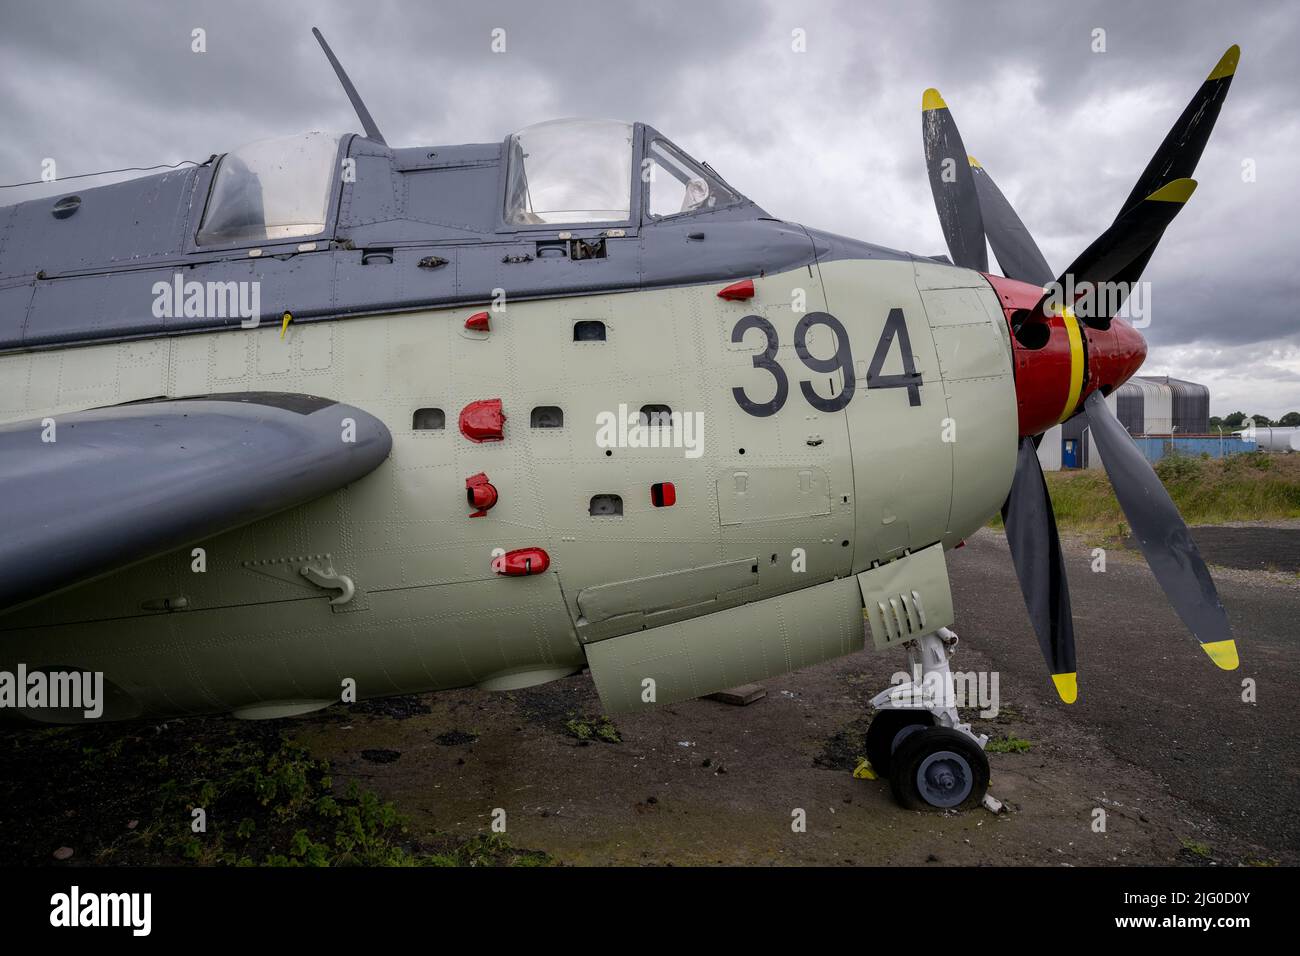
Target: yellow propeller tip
931	100
1223	653
1227	64
973	161
1067	685
1180	190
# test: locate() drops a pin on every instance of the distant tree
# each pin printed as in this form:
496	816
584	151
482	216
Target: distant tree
1215	422
1290	420
1262	420
1234	420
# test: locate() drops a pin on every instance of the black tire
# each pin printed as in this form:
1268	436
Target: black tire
939	769
889	728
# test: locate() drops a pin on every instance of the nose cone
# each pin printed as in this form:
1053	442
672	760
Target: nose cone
1114	356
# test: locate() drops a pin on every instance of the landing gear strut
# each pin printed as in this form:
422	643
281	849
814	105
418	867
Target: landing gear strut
933	760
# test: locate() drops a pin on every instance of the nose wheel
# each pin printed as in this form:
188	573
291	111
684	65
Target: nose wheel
934	762
938	768
888	730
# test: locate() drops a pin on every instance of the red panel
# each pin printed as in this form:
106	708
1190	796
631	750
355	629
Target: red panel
738	290
663	494
522	562
483	420
481	494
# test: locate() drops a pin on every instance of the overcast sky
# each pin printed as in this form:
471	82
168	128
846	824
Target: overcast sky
830	137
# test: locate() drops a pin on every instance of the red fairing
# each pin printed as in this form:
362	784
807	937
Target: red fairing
481	494
1044	360
483	420
523	562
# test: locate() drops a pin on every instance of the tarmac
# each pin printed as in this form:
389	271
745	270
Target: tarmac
1183	766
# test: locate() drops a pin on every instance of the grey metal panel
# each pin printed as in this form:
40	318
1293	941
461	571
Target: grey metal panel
399	284
128	482
120	223
435	157
723	250
86	308
14	303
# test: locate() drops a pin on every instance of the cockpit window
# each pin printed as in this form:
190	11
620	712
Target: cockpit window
272	190
569	171
678	185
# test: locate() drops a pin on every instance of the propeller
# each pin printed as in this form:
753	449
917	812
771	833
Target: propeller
953	184
1017	253
1162	534
1036	553
970	205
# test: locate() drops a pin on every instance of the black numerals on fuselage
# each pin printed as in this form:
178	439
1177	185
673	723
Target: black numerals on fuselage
766	361
842	359
895	328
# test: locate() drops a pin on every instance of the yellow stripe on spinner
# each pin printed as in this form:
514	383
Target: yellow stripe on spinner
1076	363
1067	685
1180	190
931	100
1223	653
1227	64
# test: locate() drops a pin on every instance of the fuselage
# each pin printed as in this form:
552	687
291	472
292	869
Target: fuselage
861	405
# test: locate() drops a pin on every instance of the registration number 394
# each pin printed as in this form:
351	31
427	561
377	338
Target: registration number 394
895	329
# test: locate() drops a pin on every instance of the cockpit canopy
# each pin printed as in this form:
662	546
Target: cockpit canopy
563	172
272	190
580	170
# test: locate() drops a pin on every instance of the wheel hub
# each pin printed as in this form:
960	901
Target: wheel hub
944	779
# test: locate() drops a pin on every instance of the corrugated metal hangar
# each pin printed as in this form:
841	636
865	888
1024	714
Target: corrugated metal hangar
1164	415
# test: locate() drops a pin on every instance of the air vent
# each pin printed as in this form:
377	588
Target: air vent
428	419
657	415
547	416
589	330
903	616
605	505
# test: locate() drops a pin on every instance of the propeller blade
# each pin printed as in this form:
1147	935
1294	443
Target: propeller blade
952	184
1162	534
1018	254
1036	553
1112	255
1182	147
1122	252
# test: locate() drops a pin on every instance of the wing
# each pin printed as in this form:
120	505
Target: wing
85	493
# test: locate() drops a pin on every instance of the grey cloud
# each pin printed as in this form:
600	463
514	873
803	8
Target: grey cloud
830	137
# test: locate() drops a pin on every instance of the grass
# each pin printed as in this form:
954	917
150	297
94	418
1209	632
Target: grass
1007	745
1254	486
587	728
127	795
